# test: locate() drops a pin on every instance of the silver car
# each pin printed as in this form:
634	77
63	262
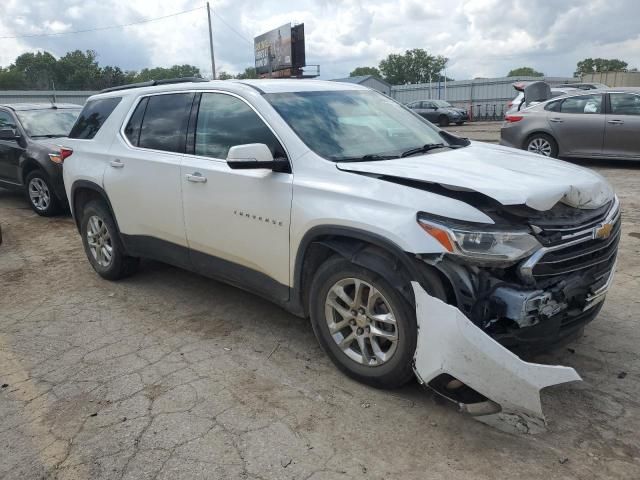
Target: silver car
593	124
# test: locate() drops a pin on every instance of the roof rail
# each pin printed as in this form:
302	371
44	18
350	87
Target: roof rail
151	83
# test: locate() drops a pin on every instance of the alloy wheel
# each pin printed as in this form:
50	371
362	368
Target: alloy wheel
361	322
540	146
39	194
99	241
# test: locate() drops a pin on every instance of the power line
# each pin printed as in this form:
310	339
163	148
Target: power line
57	34
216	14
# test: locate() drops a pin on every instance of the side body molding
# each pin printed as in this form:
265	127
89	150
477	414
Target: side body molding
449	343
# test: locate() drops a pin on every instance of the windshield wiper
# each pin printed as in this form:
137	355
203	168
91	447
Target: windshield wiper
424	149
48	135
369	157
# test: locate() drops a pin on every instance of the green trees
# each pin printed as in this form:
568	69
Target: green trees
362	71
595	65
413	66
78	70
524	72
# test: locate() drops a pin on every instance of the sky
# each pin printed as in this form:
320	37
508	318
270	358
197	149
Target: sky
481	38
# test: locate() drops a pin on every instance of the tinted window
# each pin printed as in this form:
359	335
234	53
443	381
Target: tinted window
164	126
6	121
582	104
625	104
225	121
132	130
48	123
553	106
93	115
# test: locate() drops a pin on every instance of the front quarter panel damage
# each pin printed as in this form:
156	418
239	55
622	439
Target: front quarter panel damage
449	343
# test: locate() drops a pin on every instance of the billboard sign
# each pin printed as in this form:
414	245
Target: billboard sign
276	43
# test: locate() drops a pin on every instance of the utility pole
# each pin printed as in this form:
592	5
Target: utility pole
213	60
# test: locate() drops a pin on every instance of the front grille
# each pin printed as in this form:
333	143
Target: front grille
599	254
570	249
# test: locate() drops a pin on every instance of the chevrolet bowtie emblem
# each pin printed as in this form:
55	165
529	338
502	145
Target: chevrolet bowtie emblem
603	231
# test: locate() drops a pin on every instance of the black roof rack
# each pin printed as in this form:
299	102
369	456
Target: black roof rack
151	83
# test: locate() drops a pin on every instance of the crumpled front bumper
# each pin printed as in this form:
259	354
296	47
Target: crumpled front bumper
450	344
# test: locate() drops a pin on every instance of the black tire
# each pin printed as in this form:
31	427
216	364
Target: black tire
396	371
542	137
120	265
443	121
44	200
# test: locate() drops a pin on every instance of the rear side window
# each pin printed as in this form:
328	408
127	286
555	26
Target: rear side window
93	115
624	104
225	121
164	126
132	130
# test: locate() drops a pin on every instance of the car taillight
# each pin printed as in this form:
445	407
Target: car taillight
59	157
513	118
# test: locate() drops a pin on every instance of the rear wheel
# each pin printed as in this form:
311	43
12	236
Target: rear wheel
443	121
40	195
542	144
102	243
366	326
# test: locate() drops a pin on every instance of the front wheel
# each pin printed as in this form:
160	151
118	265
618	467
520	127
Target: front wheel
40	194
366	326
542	144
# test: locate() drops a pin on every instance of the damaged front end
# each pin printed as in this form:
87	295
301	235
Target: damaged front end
523	304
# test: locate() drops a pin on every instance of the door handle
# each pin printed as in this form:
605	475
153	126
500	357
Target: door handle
116	163
196	177
556	120
615	122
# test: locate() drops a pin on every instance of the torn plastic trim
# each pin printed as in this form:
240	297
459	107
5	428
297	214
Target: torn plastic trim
449	343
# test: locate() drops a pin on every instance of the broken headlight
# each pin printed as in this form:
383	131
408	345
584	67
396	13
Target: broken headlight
488	244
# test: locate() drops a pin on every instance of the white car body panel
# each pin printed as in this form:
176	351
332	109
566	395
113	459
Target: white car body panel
509	176
448	342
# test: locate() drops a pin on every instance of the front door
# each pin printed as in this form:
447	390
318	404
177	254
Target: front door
622	130
578	124
10	151
237	221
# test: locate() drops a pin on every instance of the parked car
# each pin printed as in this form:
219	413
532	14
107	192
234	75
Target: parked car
29	152
511	249
583	86
595	124
440	112
518	102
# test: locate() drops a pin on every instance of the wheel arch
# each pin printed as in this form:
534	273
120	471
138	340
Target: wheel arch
83	191
28	165
361	247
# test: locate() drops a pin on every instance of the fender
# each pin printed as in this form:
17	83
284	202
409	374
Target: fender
86	184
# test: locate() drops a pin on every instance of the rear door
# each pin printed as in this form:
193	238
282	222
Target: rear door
237	221
622	129
10	150
578	124
142	178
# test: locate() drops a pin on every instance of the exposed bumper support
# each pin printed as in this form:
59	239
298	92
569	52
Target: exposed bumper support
449	343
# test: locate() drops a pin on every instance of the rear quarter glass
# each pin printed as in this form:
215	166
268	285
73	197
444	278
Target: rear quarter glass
93	115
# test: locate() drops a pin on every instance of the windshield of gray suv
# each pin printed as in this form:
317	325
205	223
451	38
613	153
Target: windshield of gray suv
48	123
355	125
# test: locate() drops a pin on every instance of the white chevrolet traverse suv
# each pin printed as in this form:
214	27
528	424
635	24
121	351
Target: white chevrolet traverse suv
334	201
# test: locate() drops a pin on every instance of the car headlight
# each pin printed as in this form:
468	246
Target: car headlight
486	244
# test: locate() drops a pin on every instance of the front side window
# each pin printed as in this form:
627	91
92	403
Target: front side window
164	126
624	104
582	104
93	115
352	124
225	121
48	123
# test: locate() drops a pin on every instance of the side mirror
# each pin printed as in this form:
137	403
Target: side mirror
8	133
253	156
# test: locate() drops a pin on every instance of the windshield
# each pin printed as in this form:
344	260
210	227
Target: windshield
48	123
343	125
442	104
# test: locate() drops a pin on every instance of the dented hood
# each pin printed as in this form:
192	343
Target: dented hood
509	176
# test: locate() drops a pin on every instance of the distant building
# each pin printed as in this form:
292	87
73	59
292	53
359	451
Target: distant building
614	79
368	81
